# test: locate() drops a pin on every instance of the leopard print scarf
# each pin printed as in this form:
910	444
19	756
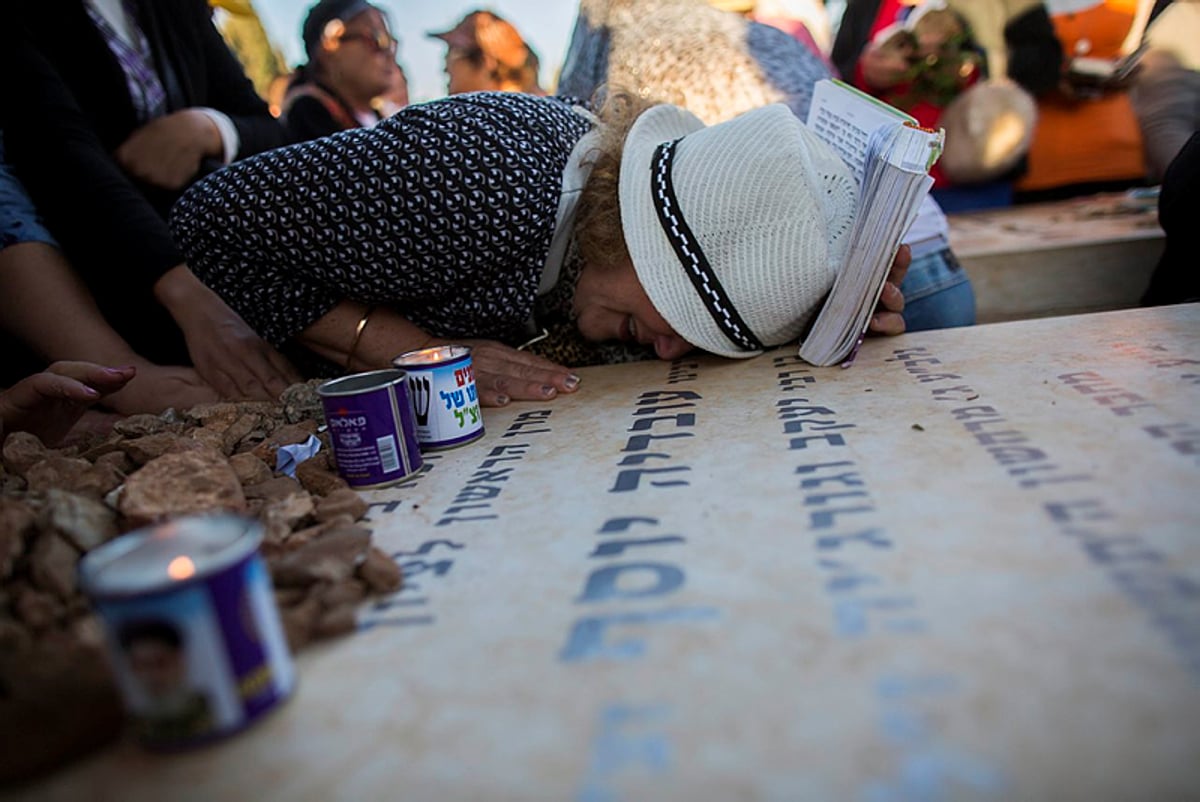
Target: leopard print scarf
555	314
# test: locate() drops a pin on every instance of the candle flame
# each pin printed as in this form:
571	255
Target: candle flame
425	356
181	568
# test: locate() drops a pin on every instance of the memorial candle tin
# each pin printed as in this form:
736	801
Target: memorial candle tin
441	381
193	631
371	427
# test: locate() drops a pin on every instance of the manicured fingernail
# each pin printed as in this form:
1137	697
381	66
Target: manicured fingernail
502	400
121	371
91	392
548	391
572	381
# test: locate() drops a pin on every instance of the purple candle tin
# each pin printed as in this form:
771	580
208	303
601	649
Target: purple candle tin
441	381
371	426
193	630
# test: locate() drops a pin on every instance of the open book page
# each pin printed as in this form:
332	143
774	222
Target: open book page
893	180
845	118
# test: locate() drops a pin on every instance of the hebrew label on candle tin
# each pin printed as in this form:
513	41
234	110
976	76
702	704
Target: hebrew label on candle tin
371	428
441	381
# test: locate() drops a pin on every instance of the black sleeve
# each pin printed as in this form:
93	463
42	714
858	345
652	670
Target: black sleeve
307	118
209	73
231	92
1034	52
852	35
1179	200
1176	279
88	202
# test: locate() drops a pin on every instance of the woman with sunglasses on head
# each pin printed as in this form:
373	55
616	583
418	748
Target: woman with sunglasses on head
351	56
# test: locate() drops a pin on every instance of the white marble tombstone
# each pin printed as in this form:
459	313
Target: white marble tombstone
968	567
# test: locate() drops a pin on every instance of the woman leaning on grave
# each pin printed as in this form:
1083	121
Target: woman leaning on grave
495	218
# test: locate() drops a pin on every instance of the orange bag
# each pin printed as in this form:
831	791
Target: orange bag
1087	139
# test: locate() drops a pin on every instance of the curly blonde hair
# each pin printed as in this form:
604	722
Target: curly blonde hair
598	231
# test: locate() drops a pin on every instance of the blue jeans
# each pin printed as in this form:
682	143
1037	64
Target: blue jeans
19	221
937	293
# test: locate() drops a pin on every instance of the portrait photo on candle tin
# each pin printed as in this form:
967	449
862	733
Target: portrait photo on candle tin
194	633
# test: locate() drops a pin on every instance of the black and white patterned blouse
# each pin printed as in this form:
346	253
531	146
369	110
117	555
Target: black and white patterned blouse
443	212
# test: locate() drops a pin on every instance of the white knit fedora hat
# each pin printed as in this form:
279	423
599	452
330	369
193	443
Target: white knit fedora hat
737	230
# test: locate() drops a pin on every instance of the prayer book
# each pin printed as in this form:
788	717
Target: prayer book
890	156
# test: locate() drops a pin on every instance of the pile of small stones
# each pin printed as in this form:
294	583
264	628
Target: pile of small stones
58	504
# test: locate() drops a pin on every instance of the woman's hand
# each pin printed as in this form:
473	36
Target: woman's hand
167	152
887	318
160	387
504	374
369	338
226	352
49	403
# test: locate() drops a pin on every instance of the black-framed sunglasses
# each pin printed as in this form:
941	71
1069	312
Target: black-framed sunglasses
378	41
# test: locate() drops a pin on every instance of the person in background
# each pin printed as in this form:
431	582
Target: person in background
276	92
1087	138
1176	279
112	109
396	96
533	64
803	20
484	52
1166	102
1166	86
351	60
946	62
712	62
717	65
36	279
